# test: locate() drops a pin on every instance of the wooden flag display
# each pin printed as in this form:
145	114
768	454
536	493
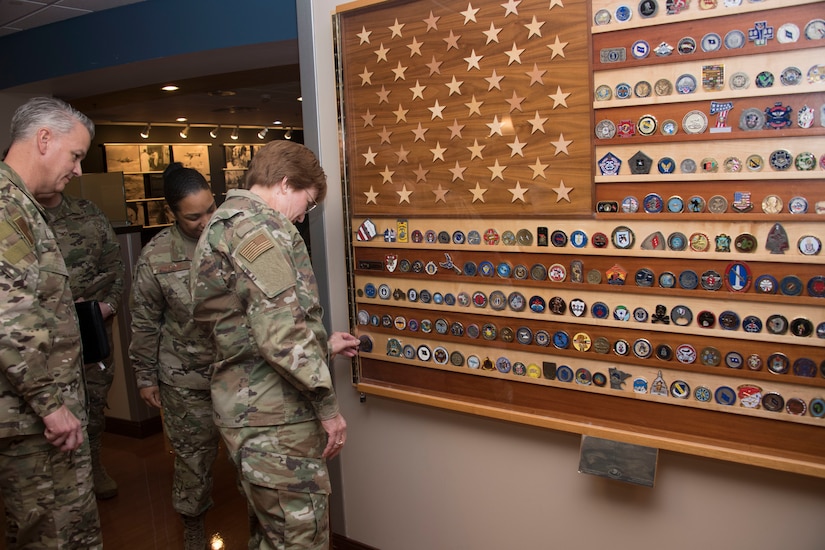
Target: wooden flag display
468	109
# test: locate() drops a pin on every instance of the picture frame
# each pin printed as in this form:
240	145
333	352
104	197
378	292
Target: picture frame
238	156
122	158
195	157
154	158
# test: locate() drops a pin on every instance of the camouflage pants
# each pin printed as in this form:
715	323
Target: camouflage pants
48	496
187	420
286	484
98	382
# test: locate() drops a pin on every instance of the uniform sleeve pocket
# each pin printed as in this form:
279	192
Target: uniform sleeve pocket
261	258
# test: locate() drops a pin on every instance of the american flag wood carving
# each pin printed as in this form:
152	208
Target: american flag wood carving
457	108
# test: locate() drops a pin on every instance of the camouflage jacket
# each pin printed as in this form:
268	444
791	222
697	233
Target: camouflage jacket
254	288
166	344
40	340
90	248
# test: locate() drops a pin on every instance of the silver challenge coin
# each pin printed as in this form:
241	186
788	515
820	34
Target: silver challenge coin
605	129
735	39
711	42
739	81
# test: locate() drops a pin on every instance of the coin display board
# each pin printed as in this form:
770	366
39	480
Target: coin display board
641	263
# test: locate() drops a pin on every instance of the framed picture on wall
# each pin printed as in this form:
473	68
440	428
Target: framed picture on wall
233	178
135	213
193	156
157	213
154	158
122	158
133	186
238	156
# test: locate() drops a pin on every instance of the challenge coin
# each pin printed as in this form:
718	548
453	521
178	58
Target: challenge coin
695	122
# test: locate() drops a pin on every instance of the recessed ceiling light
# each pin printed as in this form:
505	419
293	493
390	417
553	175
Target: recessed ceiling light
181	119
170	88
277	122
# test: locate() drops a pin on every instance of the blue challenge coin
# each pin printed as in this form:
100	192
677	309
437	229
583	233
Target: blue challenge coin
653	203
564	374
369	290
561	339
725	395
578	238
486	269
600	310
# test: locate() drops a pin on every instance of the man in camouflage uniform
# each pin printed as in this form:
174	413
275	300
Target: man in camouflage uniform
171	355
45	466
254	288
92	254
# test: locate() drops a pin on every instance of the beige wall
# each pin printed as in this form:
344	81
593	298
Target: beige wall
416	478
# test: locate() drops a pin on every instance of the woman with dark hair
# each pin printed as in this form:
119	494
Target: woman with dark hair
171	355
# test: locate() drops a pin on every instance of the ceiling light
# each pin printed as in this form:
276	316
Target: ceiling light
170	88
145	133
185	132
235	133
288	134
262	133
213	133
277	122
181	119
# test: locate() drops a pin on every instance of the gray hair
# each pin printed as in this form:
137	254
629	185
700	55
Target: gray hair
47	112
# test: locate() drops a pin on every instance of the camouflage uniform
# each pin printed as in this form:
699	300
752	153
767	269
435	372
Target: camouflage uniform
47	493
96	272
170	351
253	286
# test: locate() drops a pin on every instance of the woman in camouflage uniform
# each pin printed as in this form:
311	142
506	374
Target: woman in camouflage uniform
170	354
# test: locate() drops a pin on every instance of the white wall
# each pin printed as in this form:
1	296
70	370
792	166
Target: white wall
418	478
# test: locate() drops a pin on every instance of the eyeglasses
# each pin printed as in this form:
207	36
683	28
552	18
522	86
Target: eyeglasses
313	205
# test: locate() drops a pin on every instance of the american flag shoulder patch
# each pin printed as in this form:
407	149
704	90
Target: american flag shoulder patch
256	246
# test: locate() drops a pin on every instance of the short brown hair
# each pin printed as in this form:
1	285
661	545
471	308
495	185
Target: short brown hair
286	159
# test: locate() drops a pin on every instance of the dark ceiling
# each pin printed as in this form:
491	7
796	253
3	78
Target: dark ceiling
251	86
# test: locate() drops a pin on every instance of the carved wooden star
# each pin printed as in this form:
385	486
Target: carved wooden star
495	126
399	72
384	135
557	48
537	123
432	22
402	154
561	145
420	174
381	52
419	133
368	118
518	192
494	81
517	148
369	157
475	150
434	66
383	95
469	14
371	196
452	40
440	194
404	195
386	174
562	192
536	75
458	172
438	152
511	6
514	54
515	102
396	29
497	171
539	168
534	27
454	86
492	34
418	91
415	47
455	129
401	114
559	98
366	77
472	61
474	106
436	110
364	35
478	193
556	3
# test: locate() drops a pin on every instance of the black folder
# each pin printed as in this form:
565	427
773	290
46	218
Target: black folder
92	332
